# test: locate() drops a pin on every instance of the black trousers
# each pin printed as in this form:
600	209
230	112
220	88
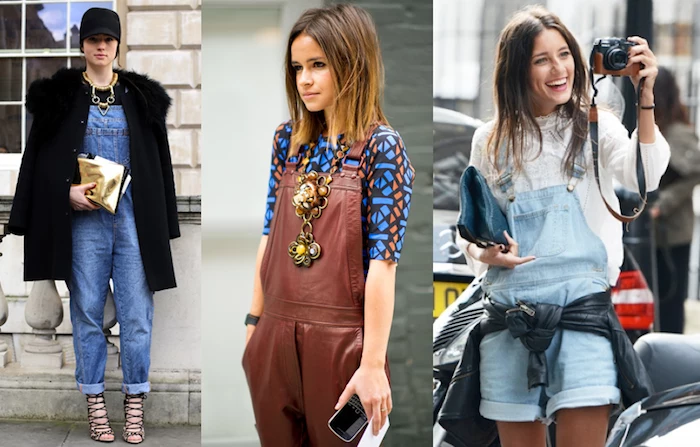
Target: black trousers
672	268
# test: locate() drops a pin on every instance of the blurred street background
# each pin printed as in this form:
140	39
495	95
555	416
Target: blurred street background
466	33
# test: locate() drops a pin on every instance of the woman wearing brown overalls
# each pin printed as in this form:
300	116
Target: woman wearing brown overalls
339	195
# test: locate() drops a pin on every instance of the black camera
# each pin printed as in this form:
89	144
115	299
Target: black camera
609	57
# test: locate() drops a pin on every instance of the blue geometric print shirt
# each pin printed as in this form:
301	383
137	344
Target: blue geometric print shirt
387	182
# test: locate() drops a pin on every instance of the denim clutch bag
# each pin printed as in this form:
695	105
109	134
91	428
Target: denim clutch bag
480	221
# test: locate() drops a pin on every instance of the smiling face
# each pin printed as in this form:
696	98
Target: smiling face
551	72
314	79
100	50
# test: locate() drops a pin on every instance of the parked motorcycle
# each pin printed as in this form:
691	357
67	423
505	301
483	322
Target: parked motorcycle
670	417
450	332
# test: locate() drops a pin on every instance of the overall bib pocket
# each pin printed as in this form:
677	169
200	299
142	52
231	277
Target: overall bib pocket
546	229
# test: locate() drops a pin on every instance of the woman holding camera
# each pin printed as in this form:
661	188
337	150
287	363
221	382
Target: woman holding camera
120	116
339	195
564	245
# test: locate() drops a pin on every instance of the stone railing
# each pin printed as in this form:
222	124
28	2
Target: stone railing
36	366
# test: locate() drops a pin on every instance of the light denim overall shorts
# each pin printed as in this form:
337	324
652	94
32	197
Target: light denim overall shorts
571	262
106	246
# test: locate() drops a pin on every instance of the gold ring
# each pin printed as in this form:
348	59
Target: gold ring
383	409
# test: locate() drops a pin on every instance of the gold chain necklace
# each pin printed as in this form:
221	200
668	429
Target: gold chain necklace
102	106
310	199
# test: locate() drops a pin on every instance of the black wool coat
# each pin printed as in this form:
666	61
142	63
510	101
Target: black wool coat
41	210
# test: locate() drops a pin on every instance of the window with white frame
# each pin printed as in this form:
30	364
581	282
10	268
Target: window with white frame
37	38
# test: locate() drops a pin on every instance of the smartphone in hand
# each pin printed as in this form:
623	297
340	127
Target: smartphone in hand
347	422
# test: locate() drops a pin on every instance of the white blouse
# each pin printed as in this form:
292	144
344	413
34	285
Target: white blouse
617	157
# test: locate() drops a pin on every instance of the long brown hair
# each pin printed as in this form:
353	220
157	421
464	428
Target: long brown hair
348	38
512	95
667	98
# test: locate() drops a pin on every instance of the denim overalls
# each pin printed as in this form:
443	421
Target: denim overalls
571	262
104	246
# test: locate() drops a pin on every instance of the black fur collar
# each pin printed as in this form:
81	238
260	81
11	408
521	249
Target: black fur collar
50	99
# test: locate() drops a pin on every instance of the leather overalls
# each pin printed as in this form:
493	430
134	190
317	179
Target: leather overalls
308	342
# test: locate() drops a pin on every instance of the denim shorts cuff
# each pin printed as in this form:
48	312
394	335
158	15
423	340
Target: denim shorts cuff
507	412
136	388
591	396
92	388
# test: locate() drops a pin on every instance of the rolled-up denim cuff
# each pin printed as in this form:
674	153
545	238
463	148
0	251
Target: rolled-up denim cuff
136	388
508	412
590	396
91	388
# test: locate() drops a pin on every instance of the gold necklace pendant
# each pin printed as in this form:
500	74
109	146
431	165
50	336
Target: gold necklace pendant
310	195
309	200
103	107
102	88
304	250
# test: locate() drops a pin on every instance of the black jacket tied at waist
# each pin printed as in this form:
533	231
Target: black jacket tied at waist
535	325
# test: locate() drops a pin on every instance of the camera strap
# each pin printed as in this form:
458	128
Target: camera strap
641	178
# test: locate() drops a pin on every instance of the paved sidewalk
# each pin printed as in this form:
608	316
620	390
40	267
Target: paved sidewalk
15	433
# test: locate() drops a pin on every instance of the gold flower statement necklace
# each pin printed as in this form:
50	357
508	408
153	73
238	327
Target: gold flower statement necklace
310	199
102	106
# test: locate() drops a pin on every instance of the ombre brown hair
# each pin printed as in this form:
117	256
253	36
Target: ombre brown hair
348	38
667	96
512	94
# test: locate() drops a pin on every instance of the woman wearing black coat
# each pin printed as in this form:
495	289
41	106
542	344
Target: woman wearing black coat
118	115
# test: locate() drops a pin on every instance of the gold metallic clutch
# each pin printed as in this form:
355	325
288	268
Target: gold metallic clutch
111	179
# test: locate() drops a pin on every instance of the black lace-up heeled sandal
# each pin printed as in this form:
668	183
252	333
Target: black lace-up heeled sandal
100	430
133	418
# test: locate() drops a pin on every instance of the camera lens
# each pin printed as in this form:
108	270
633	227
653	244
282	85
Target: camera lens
615	59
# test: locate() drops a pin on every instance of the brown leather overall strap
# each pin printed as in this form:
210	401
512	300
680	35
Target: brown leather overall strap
356	152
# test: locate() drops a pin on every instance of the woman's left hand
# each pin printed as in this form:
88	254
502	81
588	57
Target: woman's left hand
641	53
372	387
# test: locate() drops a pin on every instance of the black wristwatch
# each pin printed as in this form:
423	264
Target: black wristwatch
251	319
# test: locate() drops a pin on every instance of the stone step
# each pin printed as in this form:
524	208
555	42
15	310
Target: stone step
43	394
17	433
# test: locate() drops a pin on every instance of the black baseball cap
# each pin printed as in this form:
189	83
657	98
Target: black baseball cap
100	21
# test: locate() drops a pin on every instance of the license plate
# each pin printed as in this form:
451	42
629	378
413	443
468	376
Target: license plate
444	294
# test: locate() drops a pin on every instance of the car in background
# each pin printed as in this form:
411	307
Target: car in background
452	139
